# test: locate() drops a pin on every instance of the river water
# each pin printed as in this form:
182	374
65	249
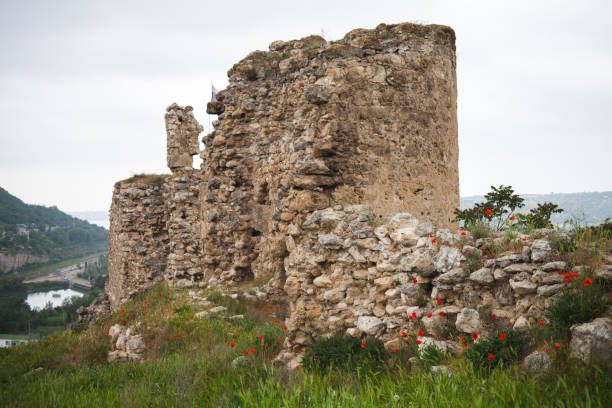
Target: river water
38	300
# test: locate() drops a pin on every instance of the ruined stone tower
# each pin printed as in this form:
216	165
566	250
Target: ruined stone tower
369	119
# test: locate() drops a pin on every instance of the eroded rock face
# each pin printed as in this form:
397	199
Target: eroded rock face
125	344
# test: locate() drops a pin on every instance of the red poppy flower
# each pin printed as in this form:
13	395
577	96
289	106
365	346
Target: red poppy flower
168	293
246	352
362	344
502	336
396	350
567	275
404	334
464	345
410	338
138	310
433	241
107	323
560	272
413	314
524	239
252	350
429	315
541	322
418	341
122	322
145	312
48	338
232	344
180	335
462	338
489	212
587	282
421	333
491	357
493	316
122	312
414	281
568	280
469	252
284	327
260	337
159	294
280	340
474	336
275	321
440	314
409	317
390	345
174	336
297	367
512	218
463	233
439	300
557	345
430	236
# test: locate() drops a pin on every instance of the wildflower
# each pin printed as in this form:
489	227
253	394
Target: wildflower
252	350
362	344
138	310
433	241
297	367
469	251
232	344
491	357
429	315
413	314
587	282
246	352
414	281
489	212
421	333
568	280
159	294
168	293
560	272
390	345
462	339
463	233
439	300
410	317
396	397
260	337
574	275
284	327
145	312
474	336
493	316
410	338
440	314
122	322
567	275
122	311
557	346
541	322
430	236
502	336
404	334
464	345
396	350
275	321
180	335
524	239
512	218
418	341
280	340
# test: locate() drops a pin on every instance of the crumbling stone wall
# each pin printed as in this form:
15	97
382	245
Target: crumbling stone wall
370	119
381	281
183	198
138	237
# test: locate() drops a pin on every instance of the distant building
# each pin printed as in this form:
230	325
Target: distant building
10	340
21	229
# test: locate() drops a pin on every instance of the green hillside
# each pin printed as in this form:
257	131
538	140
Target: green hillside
40	230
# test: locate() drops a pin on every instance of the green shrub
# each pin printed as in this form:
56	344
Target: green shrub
432	356
538	217
473	261
479	229
346	352
501	201
575	306
504	351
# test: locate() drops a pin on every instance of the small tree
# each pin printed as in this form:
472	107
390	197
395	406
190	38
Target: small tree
539	217
499	204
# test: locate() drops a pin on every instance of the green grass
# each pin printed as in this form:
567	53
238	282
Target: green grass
196	371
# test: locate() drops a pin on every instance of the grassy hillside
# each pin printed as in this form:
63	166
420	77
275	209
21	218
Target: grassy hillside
189	364
46	231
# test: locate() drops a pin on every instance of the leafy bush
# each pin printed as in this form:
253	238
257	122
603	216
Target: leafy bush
539	217
501	202
505	351
432	356
346	352
576	306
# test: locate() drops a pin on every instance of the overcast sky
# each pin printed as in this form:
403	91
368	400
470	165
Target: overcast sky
84	85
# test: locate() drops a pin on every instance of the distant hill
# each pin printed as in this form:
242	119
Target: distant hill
595	207
36	232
